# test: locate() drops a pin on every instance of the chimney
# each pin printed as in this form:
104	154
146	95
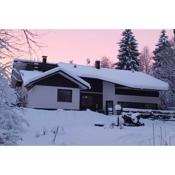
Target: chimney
44	59
97	64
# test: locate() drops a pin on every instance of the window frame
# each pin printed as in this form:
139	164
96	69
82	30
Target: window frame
136	92
63	98
138	105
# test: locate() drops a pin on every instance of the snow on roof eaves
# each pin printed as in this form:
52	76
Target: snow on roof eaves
123	77
38	75
126	78
28	75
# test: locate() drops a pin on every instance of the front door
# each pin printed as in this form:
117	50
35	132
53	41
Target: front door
109	107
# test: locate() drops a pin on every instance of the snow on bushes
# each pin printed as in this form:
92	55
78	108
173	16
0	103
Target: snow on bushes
10	118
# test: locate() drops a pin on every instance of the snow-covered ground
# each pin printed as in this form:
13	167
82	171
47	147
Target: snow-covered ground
77	128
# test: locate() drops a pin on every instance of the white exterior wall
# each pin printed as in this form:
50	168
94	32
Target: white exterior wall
46	97
108	92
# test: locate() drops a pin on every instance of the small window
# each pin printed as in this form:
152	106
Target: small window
64	95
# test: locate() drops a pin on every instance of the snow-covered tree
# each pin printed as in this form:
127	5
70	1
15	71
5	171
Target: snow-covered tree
128	52
145	61
12	42
164	68
106	62
10	118
166	72
160	46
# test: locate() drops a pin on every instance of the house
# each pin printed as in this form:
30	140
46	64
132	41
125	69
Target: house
78	87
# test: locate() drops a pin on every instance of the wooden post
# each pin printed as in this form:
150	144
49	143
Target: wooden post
56	132
153	135
118	121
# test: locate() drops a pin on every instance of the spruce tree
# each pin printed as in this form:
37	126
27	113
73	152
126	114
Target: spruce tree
166	72
162	44
164	68
128	52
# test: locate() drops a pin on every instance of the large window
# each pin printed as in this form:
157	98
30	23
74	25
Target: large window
138	105
136	92
64	95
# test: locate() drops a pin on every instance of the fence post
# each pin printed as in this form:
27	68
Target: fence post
153	134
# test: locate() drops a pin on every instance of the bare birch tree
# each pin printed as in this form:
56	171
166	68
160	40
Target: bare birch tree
145	60
106	62
12	42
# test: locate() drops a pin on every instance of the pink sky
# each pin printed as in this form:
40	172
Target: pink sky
78	45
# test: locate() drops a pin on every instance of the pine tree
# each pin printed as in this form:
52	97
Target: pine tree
128	52
160	46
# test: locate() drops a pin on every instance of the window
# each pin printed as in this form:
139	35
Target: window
64	95
138	105
135	92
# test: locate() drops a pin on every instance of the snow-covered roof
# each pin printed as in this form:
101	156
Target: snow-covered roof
31	76
123	77
31	60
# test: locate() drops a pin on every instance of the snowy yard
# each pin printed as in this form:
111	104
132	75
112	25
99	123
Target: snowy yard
77	128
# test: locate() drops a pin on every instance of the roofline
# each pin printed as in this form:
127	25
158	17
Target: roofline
32	83
75	79
32	61
164	86
157	89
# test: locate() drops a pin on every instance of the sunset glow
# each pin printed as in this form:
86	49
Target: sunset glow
78	45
